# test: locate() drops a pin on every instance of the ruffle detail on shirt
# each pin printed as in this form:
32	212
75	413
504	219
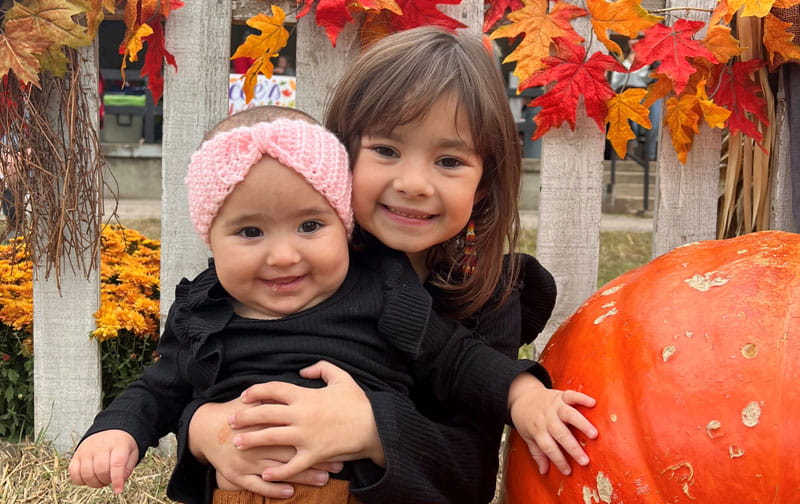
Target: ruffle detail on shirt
202	311
407	305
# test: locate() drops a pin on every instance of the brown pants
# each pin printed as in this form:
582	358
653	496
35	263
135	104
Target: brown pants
335	492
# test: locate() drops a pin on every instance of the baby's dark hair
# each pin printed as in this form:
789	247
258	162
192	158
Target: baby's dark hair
397	81
258	114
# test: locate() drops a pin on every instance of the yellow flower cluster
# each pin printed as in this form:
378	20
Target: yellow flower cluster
129	292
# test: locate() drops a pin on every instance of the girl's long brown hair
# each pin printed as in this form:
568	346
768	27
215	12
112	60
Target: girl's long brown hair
396	81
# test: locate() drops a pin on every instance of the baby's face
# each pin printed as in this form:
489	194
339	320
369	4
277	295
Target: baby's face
278	245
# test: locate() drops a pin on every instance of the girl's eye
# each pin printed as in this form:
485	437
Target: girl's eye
450	162
384	151
310	227
250	232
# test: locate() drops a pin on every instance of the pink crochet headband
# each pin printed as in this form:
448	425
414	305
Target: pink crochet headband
223	161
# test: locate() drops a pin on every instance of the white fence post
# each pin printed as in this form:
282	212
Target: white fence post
66	367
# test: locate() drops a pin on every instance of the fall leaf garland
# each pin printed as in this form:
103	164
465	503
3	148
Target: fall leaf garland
35	32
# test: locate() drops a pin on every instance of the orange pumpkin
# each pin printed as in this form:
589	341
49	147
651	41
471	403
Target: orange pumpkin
694	359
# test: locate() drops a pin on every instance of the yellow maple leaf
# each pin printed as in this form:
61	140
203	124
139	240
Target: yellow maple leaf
626	17
721	43
19	46
96	13
261	48
133	46
757	8
54	60
681	118
714	115
538	28
622	108
778	41
52	19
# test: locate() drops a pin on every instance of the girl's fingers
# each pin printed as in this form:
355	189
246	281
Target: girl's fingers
573	398
269	436
265	414
289	470
256	484
324	370
271	392
538	456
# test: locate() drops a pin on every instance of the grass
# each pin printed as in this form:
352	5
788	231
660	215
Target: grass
32	473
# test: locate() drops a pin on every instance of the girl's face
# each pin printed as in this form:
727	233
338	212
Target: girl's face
278	246
415	187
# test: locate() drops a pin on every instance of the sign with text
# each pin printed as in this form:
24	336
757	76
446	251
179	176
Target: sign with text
277	90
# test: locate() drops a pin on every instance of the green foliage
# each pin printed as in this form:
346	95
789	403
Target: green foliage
16	384
123	359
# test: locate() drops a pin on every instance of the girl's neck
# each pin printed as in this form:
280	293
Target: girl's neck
419	263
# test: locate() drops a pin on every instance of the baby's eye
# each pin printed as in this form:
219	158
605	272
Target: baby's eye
309	227
250	232
450	162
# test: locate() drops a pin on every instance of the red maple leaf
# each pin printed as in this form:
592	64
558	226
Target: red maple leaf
421	13
331	15
153	66
497	9
574	77
671	45
742	95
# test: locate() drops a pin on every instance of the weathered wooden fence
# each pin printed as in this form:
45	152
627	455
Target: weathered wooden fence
67	365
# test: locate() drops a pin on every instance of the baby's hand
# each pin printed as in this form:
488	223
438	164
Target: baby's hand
107	457
542	417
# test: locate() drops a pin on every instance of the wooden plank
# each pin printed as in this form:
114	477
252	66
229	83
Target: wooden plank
781	216
242	10
66	370
193	103
570	206
319	66
686	194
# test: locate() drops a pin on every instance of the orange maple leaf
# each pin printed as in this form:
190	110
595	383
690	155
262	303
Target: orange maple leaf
623	108
722	11
538	29
659	88
681	118
51	19
626	17
778	41
19	46
721	43
757	8
261	48
714	115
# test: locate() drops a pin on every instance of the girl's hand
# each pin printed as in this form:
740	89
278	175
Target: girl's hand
210	441
333	423
542	417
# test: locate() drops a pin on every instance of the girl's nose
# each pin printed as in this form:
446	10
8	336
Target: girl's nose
282	253
414	181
